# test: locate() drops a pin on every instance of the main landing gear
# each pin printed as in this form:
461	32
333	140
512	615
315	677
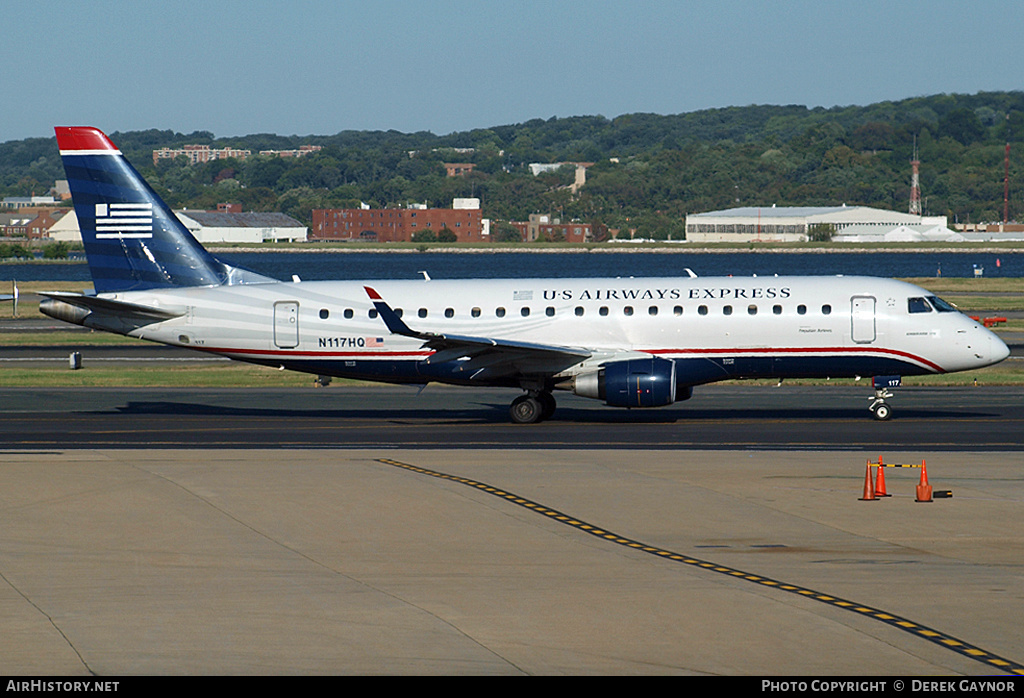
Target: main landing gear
535	406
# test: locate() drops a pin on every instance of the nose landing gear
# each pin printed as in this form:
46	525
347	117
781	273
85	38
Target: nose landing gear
880	409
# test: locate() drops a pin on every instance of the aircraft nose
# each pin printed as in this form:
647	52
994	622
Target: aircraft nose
999	350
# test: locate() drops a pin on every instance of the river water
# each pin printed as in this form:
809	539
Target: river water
312	266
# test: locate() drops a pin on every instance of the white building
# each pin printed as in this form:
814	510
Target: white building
209	227
792	223
899	233
215	226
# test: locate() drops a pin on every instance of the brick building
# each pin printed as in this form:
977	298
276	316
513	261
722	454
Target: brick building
199	153
544	227
204	153
32	224
398	224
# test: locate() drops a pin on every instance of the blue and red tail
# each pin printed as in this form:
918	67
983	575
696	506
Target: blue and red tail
133	241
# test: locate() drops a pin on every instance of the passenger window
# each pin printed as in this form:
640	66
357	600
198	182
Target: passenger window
702	310
678	310
826	309
372	313
475	312
801	310
525	312
348	313
918	305
500	312
398	312
751	310
449	312
324	313
579	311
627	311
653	310
727	310
549	311
777	309
603	311
422	312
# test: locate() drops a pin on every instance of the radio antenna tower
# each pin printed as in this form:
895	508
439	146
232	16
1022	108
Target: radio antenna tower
915	183
1006	176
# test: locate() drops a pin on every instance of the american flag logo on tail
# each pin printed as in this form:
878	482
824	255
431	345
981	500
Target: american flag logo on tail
124	221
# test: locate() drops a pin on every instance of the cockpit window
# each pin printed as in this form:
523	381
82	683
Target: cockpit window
918	305
942	306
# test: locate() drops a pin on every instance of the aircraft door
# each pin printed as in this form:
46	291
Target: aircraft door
862	314
286	324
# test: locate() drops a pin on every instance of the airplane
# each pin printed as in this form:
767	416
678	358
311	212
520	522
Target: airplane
629	342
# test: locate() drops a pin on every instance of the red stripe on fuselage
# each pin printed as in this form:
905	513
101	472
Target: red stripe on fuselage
293	352
801	350
696	353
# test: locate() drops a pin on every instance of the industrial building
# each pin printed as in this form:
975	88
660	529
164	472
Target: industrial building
218	226
794	223
211	227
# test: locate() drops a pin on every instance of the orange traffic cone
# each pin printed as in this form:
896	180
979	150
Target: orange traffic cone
924	490
880	480
869	486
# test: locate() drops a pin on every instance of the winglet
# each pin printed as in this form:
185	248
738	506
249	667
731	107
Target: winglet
389	316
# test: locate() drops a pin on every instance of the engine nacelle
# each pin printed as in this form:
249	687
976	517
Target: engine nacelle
631	383
59	310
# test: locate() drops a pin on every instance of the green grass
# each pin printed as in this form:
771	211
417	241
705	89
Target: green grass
943	284
1006	373
220	375
227	375
66	338
238	375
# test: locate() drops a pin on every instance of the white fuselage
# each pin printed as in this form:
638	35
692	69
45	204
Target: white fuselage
714	328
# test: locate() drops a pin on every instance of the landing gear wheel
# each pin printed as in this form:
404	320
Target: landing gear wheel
547	405
526	410
881	411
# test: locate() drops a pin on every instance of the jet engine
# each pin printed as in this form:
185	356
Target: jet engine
631	383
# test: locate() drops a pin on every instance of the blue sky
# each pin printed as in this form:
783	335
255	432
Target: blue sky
314	67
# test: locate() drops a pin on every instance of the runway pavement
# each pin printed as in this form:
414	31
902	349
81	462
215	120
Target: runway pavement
544	562
727	416
365	530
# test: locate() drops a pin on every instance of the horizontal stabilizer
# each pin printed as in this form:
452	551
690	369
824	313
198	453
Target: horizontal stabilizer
101	313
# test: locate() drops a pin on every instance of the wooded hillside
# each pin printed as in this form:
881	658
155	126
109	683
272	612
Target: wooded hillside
649	171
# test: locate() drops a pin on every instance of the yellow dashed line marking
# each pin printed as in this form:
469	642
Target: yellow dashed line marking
939	638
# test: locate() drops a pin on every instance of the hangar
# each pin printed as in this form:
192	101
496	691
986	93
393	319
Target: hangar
219	226
793	223
209	226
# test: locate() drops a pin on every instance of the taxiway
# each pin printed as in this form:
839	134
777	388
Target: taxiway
354	530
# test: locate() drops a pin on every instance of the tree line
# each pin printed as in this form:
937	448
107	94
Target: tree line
649	170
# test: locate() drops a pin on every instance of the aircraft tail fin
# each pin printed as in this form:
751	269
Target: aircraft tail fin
132	239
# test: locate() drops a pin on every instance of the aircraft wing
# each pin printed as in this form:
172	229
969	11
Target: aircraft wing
484	356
